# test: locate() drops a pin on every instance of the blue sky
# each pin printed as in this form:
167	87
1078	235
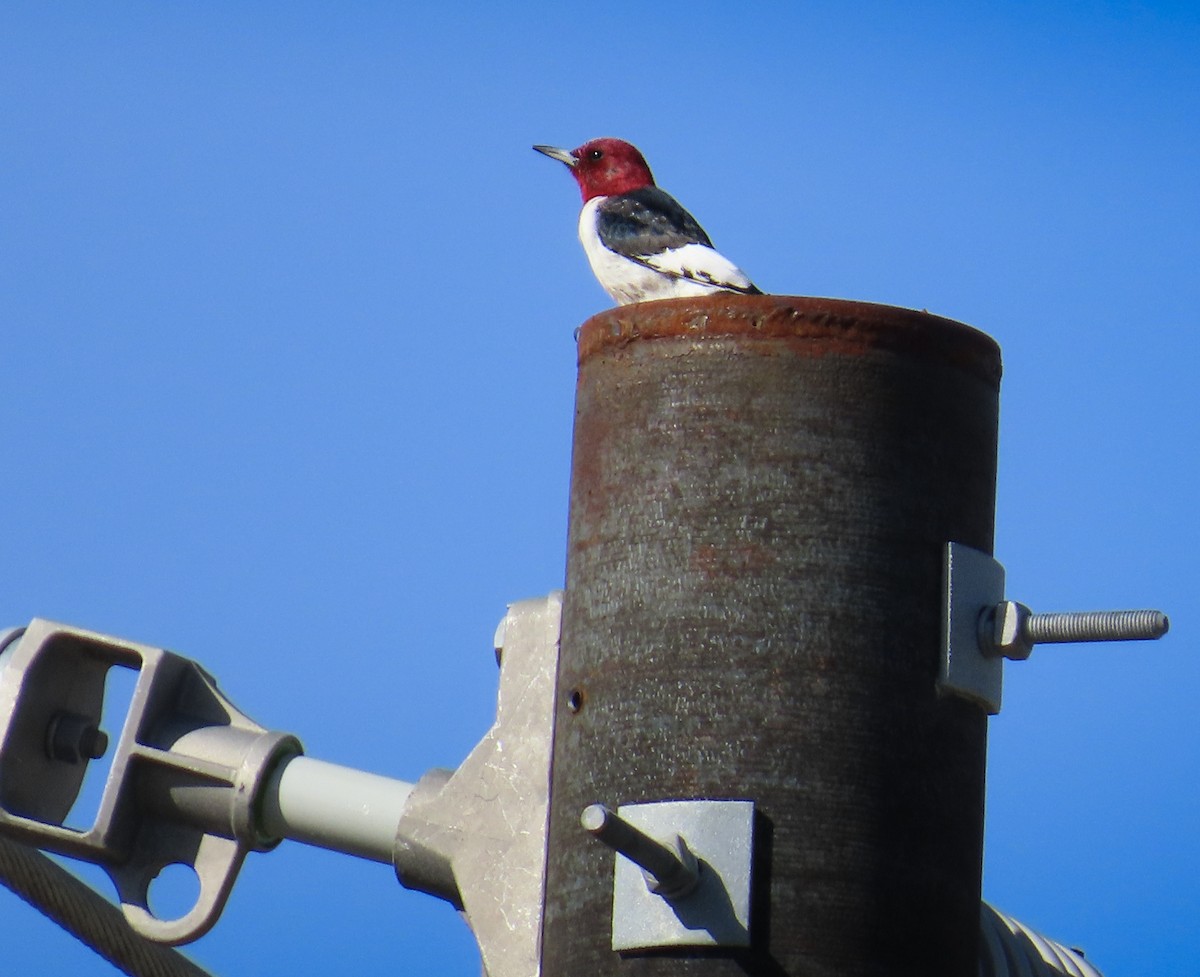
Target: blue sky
287	307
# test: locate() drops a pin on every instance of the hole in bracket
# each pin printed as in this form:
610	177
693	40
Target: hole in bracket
174	891
575	699
72	741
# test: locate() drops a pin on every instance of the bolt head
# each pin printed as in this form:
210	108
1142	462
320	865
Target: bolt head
72	738
1009	635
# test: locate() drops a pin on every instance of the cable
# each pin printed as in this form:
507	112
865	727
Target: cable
86	915
1009	948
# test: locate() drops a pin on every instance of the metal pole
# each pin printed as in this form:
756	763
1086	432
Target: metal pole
762	490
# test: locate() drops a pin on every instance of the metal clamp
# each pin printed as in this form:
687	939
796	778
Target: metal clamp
194	781
980	628
477	836
692	889
186	775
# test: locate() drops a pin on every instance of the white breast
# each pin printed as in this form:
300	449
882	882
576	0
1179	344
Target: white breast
690	270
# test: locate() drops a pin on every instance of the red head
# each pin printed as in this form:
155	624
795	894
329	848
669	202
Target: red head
604	167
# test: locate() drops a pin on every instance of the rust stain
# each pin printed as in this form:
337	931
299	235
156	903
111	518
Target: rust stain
723	562
796	325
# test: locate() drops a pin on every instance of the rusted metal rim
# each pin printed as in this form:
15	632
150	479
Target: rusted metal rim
807	326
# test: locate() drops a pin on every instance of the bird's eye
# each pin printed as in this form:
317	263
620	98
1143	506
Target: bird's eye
596	154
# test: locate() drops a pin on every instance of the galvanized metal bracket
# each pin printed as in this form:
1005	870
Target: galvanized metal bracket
980	628
707	902
477	836
186	776
973	582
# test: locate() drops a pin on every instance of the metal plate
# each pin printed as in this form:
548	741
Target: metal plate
717	912
974	581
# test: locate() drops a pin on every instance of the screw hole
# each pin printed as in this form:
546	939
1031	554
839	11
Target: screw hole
575	700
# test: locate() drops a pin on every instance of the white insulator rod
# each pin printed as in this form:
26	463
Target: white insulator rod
334	807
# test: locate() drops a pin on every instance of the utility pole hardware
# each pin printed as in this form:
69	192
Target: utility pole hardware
749	738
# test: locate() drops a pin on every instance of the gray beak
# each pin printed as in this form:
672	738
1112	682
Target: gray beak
562	155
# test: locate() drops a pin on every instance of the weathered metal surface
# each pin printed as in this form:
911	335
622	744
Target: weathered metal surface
762	488
477	836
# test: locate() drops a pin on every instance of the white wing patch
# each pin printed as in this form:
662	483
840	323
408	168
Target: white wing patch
690	270
699	265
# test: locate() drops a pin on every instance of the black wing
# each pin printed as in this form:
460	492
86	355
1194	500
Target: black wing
646	221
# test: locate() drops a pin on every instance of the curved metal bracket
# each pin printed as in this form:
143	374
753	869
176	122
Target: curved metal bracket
477	836
186	774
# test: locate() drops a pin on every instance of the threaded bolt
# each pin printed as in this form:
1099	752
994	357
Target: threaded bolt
1011	629
1097	626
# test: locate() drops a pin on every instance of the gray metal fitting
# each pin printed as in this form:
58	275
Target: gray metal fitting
1011	629
476	836
672	892
188	769
980	628
671	872
74	738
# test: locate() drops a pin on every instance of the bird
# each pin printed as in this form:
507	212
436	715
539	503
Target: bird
640	242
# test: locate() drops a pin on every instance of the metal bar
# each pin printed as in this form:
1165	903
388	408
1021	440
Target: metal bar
673	878
334	807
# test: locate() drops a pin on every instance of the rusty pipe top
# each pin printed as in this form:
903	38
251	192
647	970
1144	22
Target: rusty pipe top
806	326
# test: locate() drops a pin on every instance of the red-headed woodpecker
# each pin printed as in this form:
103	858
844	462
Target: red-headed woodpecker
640	243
